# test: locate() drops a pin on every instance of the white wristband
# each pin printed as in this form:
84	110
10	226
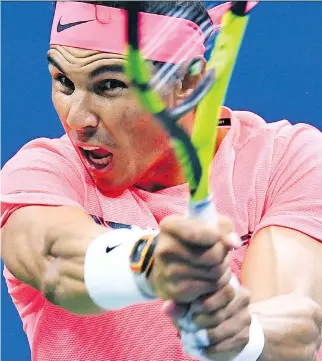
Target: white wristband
108	277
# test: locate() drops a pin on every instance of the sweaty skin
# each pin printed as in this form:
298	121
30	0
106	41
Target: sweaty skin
44	246
102	110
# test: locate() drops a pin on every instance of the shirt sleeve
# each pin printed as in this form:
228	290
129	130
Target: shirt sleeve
41	173
294	196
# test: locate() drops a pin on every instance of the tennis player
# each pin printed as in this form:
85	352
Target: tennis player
94	232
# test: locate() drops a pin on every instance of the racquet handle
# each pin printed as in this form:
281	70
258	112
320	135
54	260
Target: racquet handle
206	211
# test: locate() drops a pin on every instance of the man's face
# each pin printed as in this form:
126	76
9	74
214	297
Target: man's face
99	109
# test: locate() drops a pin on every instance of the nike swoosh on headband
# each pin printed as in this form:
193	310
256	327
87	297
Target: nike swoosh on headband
62	27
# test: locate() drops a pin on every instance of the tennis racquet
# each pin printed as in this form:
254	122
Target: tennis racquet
194	153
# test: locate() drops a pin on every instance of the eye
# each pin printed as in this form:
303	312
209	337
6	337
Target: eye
66	84
112	87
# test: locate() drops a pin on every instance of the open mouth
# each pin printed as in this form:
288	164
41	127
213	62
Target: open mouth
97	157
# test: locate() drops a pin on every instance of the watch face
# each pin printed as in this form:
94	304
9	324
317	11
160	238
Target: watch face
137	251
142	254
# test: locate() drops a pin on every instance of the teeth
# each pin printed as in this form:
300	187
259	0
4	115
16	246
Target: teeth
89	148
101	161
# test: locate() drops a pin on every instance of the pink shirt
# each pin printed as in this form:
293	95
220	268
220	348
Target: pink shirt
262	175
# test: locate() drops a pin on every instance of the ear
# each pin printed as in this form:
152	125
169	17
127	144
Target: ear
189	80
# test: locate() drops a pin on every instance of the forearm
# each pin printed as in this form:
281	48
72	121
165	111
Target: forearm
44	247
292	327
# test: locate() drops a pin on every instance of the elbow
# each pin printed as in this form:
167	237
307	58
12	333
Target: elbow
18	257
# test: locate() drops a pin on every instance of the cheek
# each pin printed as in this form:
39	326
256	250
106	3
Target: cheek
147	135
61	104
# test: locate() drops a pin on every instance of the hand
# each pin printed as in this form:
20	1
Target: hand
293	326
191	258
225	317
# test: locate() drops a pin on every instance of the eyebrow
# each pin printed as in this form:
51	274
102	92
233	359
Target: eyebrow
111	68
53	62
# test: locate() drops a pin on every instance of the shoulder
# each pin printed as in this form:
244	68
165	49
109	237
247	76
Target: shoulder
48	153
275	140
50	146
45	171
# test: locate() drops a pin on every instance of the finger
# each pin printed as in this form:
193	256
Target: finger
229	327
186	291
229	348
210	257
231	240
173	251
219	299
191	231
237	301
211	305
225	304
177	272
174	310
241	301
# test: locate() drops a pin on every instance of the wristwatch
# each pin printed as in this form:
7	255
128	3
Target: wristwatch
141	262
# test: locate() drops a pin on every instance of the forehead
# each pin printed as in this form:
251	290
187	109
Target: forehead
74	55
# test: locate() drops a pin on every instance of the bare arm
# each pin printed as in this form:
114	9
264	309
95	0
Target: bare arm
283	271
44	247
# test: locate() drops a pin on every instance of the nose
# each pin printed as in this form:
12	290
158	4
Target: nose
81	112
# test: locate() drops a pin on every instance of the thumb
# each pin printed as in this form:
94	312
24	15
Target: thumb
174	310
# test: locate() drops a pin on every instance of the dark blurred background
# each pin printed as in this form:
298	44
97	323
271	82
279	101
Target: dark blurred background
278	75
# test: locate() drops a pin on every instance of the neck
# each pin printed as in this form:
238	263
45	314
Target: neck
167	172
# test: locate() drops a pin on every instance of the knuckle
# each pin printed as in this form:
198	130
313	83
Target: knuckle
224	279
175	272
188	286
191	288
245	319
242	338
164	247
213	335
225	223
201	320
208	305
228	293
191	234
218	270
168	221
242	299
218	253
211	352
220	316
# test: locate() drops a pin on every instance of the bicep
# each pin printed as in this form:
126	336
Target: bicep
280	261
